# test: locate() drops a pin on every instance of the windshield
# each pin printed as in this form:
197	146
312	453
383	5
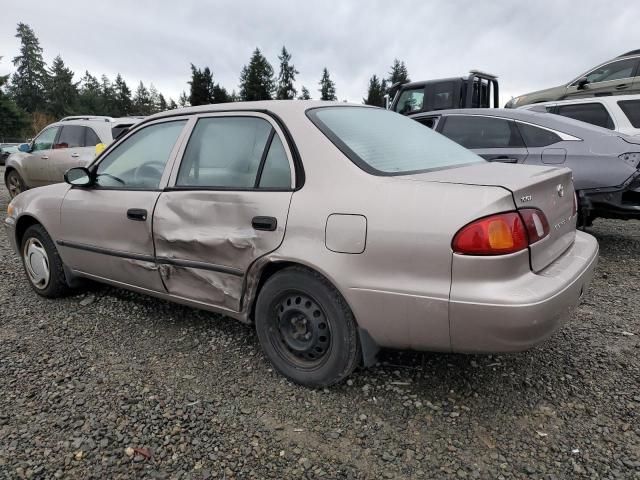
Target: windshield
386	143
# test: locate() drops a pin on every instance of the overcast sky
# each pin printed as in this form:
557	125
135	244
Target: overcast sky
529	44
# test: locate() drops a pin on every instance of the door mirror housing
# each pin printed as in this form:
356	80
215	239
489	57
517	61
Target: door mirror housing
582	83
78	176
24	147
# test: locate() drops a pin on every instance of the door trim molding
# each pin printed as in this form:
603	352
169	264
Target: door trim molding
150	258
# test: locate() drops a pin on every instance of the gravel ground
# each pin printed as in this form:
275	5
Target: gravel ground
112	384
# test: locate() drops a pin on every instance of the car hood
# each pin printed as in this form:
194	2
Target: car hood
546	95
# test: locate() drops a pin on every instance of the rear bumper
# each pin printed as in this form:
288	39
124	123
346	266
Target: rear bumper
621	202
523	310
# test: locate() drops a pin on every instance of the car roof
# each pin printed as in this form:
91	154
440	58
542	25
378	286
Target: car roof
601	99
544	119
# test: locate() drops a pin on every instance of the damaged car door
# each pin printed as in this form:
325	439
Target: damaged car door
226	206
106	227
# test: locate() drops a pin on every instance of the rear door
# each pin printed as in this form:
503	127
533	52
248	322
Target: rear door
494	139
75	147
226	206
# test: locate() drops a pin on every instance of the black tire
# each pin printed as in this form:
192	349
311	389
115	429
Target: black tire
306	328
34	239
15	183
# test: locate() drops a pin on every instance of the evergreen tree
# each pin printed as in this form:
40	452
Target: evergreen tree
12	119
285	89
256	79
61	90
375	94
201	84
108	102
304	94
142	101
220	95
90	95
327	87
122	94
162	103
398	73
154	100
183	100
172	104
30	78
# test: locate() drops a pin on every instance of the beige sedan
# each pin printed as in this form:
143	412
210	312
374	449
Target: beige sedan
335	229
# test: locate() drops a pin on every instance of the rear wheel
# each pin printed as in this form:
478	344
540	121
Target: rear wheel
42	263
15	184
306	328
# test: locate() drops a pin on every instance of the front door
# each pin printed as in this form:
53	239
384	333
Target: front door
611	79
494	139
75	147
226	206
35	167
107	228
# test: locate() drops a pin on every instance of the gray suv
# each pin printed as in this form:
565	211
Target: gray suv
620	75
69	143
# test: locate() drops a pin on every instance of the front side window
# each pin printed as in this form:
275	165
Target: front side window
71	136
537	137
474	131
384	143
226	152
613	71
410	101
631	109
45	140
593	113
138	162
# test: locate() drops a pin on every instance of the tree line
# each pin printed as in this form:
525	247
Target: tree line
36	94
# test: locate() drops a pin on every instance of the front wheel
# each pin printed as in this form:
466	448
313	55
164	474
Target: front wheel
42	263
15	184
306	329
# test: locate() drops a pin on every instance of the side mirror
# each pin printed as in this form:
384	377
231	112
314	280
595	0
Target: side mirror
78	176
582	83
24	147
100	148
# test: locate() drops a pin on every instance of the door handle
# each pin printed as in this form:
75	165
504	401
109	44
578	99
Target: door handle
137	214
44	157
264	223
75	155
504	159
622	86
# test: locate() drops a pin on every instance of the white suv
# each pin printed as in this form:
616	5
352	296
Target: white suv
616	112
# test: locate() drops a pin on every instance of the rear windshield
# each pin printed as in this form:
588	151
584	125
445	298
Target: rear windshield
386	143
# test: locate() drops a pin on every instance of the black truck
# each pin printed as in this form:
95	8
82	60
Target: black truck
477	90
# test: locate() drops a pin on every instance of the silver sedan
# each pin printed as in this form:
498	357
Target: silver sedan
335	229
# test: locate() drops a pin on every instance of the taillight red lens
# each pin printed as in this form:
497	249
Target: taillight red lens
494	235
502	233
536	224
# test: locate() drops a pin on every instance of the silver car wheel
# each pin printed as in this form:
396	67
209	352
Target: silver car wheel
14	184
36	263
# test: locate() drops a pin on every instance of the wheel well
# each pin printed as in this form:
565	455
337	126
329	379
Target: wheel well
23	223
6	173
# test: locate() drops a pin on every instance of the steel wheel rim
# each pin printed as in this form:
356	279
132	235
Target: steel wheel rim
15	186
36	262
300	330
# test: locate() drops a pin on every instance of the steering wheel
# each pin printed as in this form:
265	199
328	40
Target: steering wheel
146	171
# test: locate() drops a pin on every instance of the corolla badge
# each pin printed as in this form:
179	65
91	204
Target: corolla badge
560	189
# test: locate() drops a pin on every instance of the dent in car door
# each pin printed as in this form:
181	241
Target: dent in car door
228	208
107	228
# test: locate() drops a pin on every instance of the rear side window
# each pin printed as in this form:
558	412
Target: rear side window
593	113
537	137
410	101
71	136
91	139
226	152
474	131
631	109
381	142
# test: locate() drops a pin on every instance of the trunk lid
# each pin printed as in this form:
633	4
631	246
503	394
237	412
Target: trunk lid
548	189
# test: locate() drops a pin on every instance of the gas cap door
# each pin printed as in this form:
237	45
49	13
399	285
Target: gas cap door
554	156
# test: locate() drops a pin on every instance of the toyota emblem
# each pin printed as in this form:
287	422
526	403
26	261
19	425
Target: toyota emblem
560	189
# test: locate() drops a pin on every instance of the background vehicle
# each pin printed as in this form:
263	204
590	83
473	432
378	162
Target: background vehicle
7	149
613	77
478	90
617	112
69	143
604	163
192	206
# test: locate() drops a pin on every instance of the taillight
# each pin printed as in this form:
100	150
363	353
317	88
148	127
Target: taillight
502	233
575	203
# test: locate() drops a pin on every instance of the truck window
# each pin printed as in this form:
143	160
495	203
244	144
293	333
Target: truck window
410	101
